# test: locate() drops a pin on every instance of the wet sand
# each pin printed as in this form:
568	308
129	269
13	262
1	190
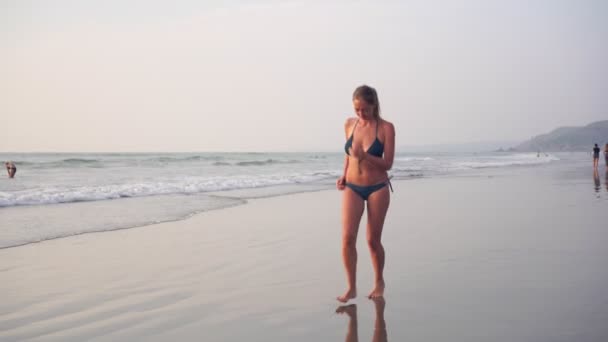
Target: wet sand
505	255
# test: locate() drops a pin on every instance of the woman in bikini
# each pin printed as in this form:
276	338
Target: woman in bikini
370	150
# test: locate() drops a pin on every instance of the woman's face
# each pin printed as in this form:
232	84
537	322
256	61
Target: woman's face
363	109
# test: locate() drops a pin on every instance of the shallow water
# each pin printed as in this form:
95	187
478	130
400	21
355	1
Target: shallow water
117	191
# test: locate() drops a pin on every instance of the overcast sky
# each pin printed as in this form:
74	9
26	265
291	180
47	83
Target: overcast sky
119	75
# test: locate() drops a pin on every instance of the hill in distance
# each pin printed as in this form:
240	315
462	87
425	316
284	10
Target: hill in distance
568	139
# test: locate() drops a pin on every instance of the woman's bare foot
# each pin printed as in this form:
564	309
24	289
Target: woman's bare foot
350	294
377	292
380	303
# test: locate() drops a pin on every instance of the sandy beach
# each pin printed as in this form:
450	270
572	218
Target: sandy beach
170	170
515	255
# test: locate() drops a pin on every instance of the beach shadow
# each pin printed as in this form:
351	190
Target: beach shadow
596	180
352	335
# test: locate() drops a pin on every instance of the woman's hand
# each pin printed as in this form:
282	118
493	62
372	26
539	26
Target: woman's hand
341	183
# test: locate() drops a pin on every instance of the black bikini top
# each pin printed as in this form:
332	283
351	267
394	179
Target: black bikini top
376	149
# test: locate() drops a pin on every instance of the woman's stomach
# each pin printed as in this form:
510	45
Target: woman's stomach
364	174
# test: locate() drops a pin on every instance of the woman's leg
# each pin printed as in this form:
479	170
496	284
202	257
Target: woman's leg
352	209
377	206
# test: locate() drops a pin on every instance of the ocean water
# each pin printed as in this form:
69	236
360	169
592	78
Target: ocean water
58	195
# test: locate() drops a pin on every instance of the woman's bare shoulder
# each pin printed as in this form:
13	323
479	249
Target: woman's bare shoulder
350	121
387	126
348	124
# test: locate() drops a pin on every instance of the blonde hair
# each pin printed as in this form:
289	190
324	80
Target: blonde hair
369	95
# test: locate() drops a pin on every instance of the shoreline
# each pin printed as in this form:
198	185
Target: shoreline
234	197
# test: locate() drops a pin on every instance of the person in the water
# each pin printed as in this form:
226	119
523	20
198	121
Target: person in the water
11	169
370	150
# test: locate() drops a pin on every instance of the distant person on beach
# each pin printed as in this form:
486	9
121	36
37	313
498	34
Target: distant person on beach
596	155
11	169
606	154
370	150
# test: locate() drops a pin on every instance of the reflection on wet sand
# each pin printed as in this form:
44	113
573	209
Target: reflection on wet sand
596	180
351	311
380	334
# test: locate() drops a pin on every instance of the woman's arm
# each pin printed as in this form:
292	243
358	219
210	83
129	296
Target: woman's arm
347	125
345	166
340	183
